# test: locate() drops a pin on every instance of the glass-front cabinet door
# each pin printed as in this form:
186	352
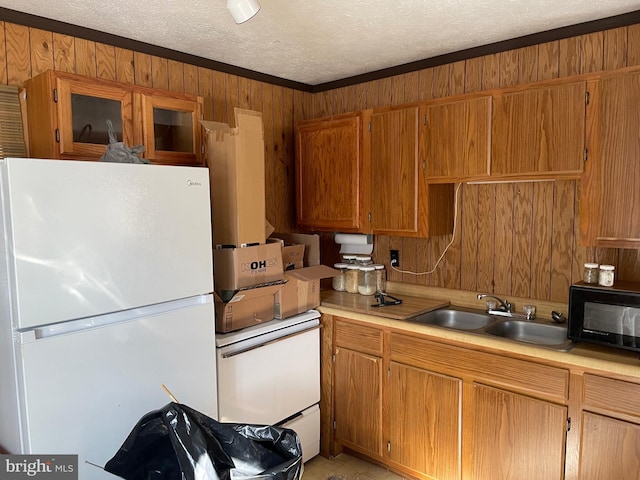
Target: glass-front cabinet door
171	129
83	111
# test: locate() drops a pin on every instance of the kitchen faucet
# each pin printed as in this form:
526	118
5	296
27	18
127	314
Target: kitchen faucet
506	309
505	306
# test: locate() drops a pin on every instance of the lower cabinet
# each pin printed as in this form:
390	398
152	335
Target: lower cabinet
358	401
357	387
610	448
610	440
424	421
436	411
515	436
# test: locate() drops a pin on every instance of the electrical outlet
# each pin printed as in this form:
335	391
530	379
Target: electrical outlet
394	258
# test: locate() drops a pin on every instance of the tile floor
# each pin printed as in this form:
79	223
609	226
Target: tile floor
345	467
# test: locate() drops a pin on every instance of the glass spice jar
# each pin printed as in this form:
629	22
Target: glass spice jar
351	279
605	277
590	273
339	280
367	280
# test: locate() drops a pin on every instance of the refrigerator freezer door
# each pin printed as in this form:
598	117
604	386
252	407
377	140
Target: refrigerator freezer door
85	391
88	238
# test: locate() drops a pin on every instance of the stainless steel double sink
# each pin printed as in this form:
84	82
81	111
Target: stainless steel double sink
536	332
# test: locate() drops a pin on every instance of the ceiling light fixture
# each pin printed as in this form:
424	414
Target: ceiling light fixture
242	10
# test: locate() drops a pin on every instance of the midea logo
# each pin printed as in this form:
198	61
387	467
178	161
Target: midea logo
193	183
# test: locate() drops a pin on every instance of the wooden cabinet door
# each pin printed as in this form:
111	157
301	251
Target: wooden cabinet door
358	401
609	448
329	174
394	171
424	421
539	130
515	437
82	112
171	130
455	139
611	181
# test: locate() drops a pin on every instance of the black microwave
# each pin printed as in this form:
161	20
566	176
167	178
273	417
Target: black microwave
605	315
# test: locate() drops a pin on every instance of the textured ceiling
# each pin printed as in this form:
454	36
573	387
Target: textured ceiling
318	41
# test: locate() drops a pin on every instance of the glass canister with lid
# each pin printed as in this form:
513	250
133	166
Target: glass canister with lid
351	278
363	260
349	259
367	280
381	277
339	280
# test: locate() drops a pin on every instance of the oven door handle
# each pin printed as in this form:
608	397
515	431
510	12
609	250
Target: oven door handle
270	342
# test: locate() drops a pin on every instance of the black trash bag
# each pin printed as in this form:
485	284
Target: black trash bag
119	152
178	442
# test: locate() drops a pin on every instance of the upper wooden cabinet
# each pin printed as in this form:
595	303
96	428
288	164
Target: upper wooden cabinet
539	129
611	181
68	114
402	202
171	131
359	173
329	169
394	171
455	138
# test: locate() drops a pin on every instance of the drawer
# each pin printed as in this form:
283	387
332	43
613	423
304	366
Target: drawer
611	394
525	376
356	337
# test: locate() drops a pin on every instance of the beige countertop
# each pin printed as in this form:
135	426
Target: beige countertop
410	306
581	357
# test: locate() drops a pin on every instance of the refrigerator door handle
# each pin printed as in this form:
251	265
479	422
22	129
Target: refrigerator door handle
270	342
111	318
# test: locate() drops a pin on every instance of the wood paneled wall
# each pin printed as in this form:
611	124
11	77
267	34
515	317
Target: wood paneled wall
511	239
516	238
26	52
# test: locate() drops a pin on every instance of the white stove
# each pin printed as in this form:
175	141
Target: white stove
269	374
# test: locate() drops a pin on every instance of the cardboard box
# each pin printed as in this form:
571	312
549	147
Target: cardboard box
236	268
292	255
302	290
247	307
235	157
311	246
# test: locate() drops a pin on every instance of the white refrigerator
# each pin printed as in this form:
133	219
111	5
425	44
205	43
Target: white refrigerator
105	294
